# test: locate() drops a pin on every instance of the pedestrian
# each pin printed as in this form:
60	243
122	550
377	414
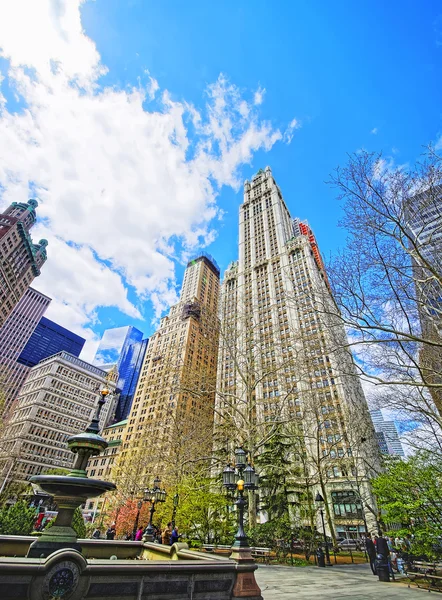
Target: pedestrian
383	549
165	536
97	534
139	534
382	546
157	537
111	532
174	536
371	551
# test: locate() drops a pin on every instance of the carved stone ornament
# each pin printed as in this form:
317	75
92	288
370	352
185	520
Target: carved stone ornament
61	581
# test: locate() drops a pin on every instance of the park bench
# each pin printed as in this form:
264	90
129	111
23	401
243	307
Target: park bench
430	572
257	553
216	547
263	553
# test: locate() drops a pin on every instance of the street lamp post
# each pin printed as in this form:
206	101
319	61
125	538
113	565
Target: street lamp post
320	500
134	532
241	477
176	500
153	495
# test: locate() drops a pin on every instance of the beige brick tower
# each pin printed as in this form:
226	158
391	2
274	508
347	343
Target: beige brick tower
171	421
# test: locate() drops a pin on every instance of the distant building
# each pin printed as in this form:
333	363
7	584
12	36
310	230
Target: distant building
14	335
124	348
114	343
389	437
129	372
58	400
20	258
382	442
101	466
423	214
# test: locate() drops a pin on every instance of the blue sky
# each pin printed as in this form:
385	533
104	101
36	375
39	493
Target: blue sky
352	75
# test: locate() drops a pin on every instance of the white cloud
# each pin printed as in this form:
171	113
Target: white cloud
259	96
374	131
47	35
289	132
122	190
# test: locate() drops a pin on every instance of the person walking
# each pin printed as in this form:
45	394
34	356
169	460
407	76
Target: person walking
97	534
371	551
139	534
174	536
165	536
111	532
382	548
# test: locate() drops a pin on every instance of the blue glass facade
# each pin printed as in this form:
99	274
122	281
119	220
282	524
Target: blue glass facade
47	339
115	344
125	348
130	363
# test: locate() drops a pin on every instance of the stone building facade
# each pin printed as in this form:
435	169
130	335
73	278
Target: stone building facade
14	335
283	364
102	466
58	400
20	259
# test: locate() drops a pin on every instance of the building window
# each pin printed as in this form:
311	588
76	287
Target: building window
346	504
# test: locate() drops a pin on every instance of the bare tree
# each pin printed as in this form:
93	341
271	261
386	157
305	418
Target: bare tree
387	282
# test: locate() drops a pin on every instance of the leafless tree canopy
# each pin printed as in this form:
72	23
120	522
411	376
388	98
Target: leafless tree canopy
387	281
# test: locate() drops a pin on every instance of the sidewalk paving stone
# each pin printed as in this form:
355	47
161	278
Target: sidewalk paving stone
349	582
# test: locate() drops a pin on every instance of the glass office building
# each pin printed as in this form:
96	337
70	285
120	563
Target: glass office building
47	339
124	348
129	370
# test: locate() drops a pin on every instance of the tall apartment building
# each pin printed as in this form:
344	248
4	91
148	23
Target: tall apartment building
14	335
20	258
423	216
282	361
170	424
387	434
58	400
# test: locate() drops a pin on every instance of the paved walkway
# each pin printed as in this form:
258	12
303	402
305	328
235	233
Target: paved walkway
350	582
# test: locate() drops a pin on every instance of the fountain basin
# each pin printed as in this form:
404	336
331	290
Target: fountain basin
78	487
170	573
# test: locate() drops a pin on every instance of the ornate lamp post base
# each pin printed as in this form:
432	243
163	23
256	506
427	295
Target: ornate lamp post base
245	584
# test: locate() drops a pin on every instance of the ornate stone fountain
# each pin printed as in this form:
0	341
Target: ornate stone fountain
57	566
72	490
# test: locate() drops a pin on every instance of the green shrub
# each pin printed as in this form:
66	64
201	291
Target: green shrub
17	519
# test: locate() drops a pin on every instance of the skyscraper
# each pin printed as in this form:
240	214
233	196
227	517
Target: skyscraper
124	348
129	370
14	335
171	421
387	434
423	215
283	365
20	258
47	339
114	344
